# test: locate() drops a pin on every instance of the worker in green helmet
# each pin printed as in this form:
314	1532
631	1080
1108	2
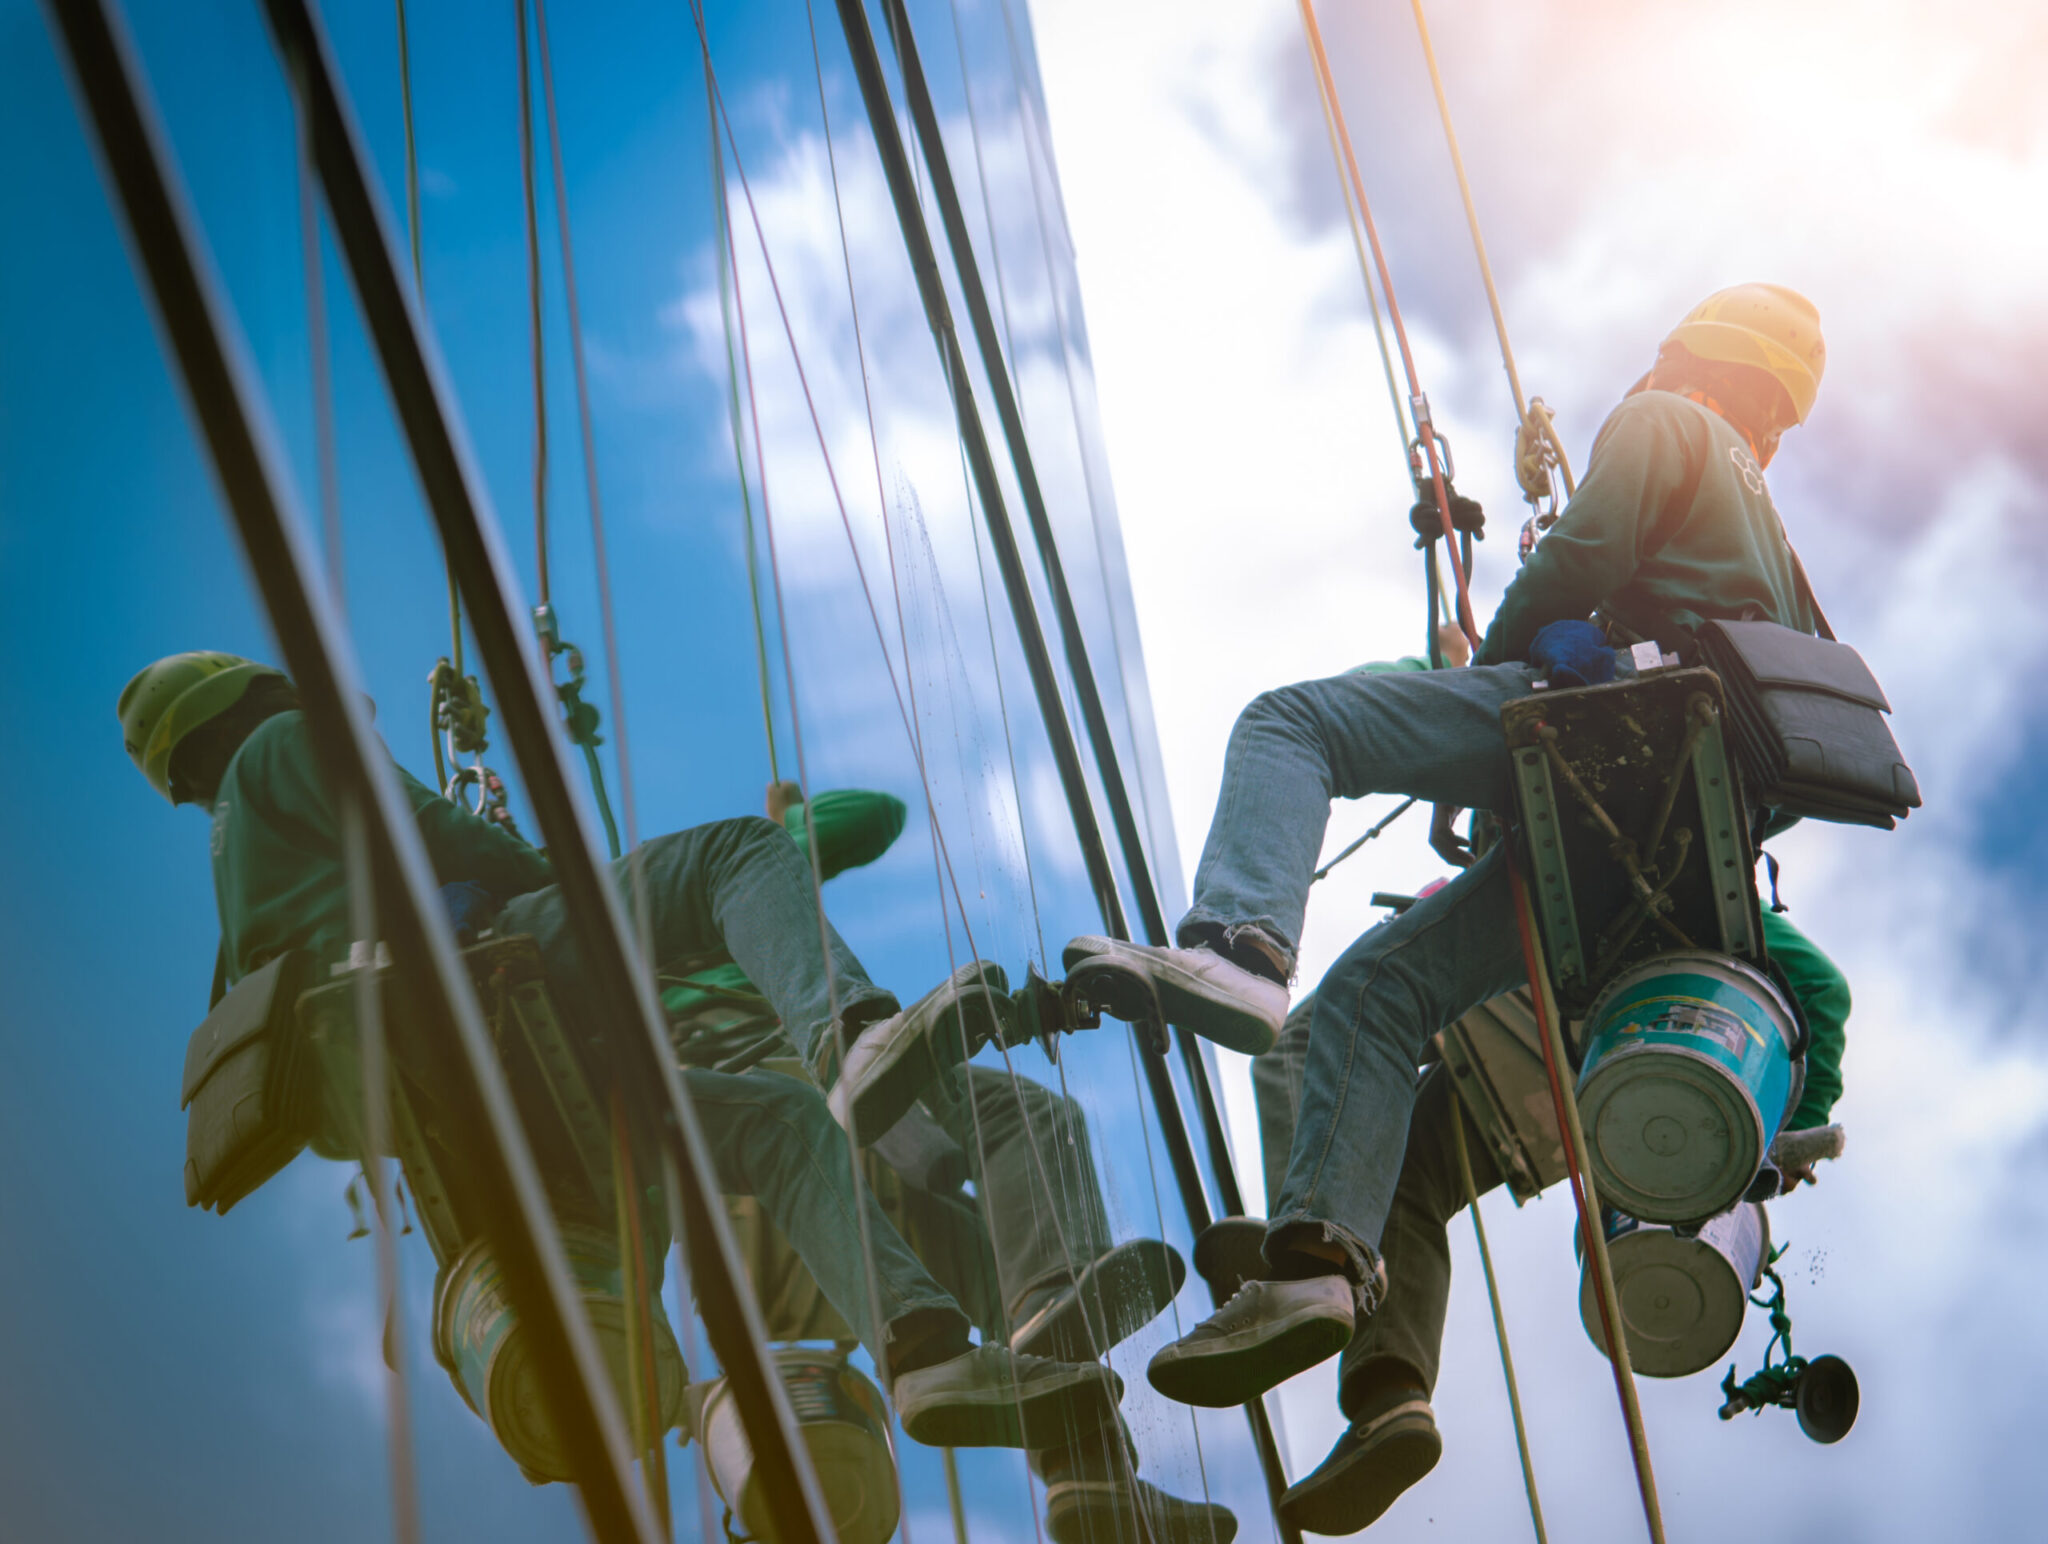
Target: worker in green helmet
226	734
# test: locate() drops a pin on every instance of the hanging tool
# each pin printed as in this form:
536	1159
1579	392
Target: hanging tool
1822	1392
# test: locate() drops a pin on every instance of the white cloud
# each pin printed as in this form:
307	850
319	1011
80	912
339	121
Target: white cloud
1890	160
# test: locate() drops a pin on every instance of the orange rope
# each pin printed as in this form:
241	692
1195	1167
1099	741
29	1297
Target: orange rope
1418	403
1591	1233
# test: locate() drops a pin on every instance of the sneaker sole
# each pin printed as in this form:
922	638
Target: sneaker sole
1098	1511
1046	1417
1115	1297
1217	1380
894	1081
1134	995
1359	1491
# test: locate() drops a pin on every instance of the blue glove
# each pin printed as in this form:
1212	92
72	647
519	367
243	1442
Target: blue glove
1572	654
471	909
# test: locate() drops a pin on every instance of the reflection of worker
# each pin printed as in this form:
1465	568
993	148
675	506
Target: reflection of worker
1028	1254
1388	1370
221	732
1673	524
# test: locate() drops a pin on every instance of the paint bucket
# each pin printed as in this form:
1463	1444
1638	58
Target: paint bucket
490	1356
846	1429
1681	1296
1688	1074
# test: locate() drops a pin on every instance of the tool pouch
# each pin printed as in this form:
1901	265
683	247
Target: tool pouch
247	1089
1809	725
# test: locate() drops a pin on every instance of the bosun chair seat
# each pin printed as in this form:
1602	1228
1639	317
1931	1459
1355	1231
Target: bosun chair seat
1633	827
554	1076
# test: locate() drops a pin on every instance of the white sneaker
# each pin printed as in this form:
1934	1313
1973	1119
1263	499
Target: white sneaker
1258	1340
896	1059
1199	991
995	1397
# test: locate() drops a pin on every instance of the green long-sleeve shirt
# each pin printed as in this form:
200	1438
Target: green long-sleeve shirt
1672	526
277	867
717	1016
1823	992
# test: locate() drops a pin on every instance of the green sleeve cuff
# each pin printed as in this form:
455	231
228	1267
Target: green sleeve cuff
854	827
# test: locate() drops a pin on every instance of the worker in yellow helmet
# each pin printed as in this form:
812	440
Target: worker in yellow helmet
226	733
1673	525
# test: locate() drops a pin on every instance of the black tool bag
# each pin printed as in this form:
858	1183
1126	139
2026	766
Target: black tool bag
248	1086
1809	722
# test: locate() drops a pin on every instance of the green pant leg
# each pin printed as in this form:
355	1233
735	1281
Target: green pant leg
1408	1329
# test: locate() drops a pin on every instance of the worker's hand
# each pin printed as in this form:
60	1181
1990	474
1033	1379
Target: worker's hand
782	798
1444	840
1790	1180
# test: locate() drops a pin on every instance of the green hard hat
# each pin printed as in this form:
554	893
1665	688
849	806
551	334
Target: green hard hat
168	700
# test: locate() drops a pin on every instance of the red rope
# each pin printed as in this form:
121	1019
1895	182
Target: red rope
1582	1197
1418	403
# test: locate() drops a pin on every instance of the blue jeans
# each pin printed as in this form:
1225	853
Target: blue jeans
733	890
740	890
1434	735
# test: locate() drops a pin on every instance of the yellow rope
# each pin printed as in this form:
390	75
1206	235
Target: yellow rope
1533	417
1500	1324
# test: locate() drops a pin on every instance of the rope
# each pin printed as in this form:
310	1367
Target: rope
419	290
455	709
643	1381
1379	326
1037	151
944	860
1500	1323
726	282
1591	1232
875	1328
405	1509
1426	437
955	1502
1537	447
533	308
1398	811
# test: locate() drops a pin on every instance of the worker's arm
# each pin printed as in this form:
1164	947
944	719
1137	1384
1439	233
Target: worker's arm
1642	464
1823	992
464	847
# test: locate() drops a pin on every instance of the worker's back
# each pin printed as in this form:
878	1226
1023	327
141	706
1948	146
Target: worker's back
1672	526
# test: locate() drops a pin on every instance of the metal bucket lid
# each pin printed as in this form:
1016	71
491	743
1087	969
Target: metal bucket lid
1681	1300
1672	1135
479	1339
845	1429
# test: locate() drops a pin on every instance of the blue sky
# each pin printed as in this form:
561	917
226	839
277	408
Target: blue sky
196	1376
232	1365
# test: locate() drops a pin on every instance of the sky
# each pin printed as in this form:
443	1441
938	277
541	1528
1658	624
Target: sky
239	1358
1886	160
1889	161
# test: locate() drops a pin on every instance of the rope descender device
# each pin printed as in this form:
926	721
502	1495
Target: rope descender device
580	718
458	718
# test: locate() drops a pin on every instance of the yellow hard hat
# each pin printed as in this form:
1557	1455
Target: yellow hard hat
1775	329
168	700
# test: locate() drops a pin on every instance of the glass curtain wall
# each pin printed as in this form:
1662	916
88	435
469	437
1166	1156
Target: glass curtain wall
674	297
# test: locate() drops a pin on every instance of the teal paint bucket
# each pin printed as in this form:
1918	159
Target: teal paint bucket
489	1354
1688	1074
1682	1295
845	1428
